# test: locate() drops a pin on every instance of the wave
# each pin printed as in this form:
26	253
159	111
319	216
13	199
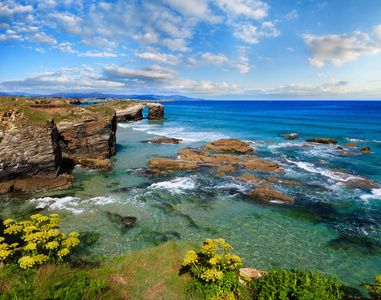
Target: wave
376	194
176	186
67	203
352	140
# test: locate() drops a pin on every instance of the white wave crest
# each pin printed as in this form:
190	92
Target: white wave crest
176	186
355	140
376	194
67	203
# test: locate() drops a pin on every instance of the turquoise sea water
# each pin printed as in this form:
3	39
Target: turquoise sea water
331	227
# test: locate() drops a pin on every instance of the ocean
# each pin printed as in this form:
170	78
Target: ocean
332	227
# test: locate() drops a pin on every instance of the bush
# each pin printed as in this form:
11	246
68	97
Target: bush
41	241
295	284
214	274
374	290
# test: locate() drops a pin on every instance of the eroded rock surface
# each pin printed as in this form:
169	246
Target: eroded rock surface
264	165
323	141
269	194
229	146
163	140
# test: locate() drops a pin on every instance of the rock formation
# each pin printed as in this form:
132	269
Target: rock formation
365	149
349	145
323	141
156	111
263	194
230	146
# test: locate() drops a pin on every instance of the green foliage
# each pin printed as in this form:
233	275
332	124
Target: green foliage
295	284
42	241
374	290
56	282
215	274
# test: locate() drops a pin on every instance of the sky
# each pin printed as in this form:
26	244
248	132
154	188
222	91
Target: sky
211	49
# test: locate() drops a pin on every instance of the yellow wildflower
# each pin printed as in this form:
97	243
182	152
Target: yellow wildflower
2	239
190	258
30	228
52	245
26	262
40	258
13	229
233	259
226	247
9	222
63	252
219	241
54	215
208	246
4	246
30	246
213	261
70	242
53	232
75	234
35	217
212	275
4	254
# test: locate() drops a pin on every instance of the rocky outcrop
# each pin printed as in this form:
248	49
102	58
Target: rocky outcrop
165	164
155	111
288	182
323	141
349	145
291	137
30	158
365	149
264	165
229	146
130	113
163	140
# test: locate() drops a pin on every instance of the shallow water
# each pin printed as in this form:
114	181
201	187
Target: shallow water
331	228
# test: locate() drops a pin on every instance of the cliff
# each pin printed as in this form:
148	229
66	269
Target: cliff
34	139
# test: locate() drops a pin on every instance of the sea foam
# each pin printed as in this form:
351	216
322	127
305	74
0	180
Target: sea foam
176	186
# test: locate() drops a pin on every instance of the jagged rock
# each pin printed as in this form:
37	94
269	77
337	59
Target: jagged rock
340	148
249	178
221	174
289	182
163	140
156	111
229	145
349	145
323	141
356	181
365	149
264	165
226	168
128	221
264	194
201	156
166	164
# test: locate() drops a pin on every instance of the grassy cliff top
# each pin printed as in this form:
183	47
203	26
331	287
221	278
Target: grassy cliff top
120	105
22	111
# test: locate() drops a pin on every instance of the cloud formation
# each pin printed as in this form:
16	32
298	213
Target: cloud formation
338	49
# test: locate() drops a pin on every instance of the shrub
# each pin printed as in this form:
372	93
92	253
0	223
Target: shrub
295	284
41	241
214	274
374	290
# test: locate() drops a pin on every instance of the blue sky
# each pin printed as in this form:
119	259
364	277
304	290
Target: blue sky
214	49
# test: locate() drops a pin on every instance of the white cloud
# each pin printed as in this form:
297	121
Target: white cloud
157	57
251	34
292	15
175	44
10	37
41	38
242	68
290	49
215	59
377	31
338	49
251	9
98	54
65	47
149	74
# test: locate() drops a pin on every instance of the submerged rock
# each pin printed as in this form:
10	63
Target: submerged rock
291	137
119	221
323	141
289	182
264	194
354	180
230	146
166	164
163	140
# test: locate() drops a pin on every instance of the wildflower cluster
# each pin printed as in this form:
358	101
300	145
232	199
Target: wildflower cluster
215	271
42	241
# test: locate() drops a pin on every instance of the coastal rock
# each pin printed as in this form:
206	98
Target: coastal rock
365	149
250	273
201	156
229	145
277	180
90	135
163	140
249	178
323	141
354	180
264	165
166	164
263	194
227	168
156	111
96	164
349	145
129	112
291	137
340	148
